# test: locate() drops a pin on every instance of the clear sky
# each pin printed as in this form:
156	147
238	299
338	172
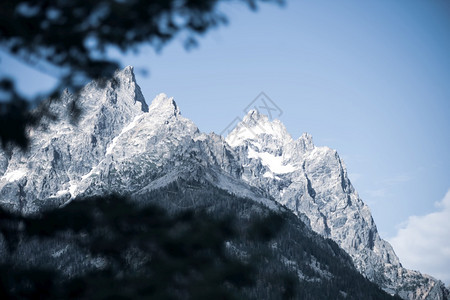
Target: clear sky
368	78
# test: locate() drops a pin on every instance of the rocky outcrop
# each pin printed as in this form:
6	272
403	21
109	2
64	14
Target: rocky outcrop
313	181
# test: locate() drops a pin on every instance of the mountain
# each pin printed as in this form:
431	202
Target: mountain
122	145
313	181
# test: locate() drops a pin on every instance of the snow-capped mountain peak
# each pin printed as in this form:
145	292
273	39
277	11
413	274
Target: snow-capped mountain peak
164	105
257	127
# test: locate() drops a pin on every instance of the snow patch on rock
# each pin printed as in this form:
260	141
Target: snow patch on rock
14	175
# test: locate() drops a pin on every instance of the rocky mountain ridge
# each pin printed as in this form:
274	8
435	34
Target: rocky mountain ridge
313	181
120	144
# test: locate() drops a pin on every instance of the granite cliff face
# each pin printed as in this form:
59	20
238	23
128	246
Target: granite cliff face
61	153
313	181
122	145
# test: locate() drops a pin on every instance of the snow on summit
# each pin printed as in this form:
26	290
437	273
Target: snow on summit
254	124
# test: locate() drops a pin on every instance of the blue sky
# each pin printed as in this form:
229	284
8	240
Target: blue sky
368	78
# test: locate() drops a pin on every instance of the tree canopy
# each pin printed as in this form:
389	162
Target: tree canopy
141	252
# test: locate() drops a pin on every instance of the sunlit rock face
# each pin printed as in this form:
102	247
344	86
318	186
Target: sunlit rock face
313	181
62	153
122	145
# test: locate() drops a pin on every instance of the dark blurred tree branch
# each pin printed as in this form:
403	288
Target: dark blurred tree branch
73	37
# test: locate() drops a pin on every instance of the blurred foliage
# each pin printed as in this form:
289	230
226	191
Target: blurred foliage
70	40
145	252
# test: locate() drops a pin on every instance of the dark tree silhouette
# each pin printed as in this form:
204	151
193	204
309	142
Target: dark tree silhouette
70	38
146	251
